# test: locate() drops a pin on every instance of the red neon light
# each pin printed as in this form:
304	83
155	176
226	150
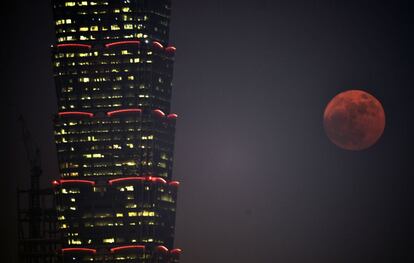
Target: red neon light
162	248
156	179
170	49
158	44
172	116
74	45
174	183
78	249
74	181
159	112
122	43
138	178
55	182
176	251
81	113
115	249
125	179
110	113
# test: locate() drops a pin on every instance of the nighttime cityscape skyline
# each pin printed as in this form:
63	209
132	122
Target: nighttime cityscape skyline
260	180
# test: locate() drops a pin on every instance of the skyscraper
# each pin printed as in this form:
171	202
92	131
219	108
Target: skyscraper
114	131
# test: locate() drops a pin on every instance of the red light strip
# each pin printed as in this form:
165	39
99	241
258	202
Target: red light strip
162	248
159	112
110	113
82	113
138	178
174	183
126	179
115	249
122	43
172	116
170	49
176	251
156	179
158	44
74	45
78	249
73	181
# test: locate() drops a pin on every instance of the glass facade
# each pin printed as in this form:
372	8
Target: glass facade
114	131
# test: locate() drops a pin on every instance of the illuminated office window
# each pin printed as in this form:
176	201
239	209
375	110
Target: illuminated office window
115	27
108	240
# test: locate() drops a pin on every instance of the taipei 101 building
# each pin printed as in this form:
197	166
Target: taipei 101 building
114	131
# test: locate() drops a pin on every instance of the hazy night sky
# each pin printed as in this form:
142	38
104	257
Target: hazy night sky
261	182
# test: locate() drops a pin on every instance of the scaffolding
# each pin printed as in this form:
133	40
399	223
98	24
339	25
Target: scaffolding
38	236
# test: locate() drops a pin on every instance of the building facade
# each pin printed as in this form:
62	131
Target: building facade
114	131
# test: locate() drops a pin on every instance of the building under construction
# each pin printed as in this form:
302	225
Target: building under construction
38	237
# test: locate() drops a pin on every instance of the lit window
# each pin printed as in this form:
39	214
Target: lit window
147	213
131	206
131	214
84	80
115	27
130	163
70	3
109	240
75	242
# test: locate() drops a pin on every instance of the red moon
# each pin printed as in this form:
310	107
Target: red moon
354	120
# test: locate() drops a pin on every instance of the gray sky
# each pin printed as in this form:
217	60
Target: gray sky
260	180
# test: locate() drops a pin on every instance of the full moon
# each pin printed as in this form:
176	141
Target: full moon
354	120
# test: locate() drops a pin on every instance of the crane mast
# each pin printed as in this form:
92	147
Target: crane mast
33	157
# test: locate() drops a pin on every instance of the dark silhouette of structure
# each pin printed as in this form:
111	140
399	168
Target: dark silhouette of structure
38	237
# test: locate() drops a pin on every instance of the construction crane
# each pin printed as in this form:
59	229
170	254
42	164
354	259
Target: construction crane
33	156
38	236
